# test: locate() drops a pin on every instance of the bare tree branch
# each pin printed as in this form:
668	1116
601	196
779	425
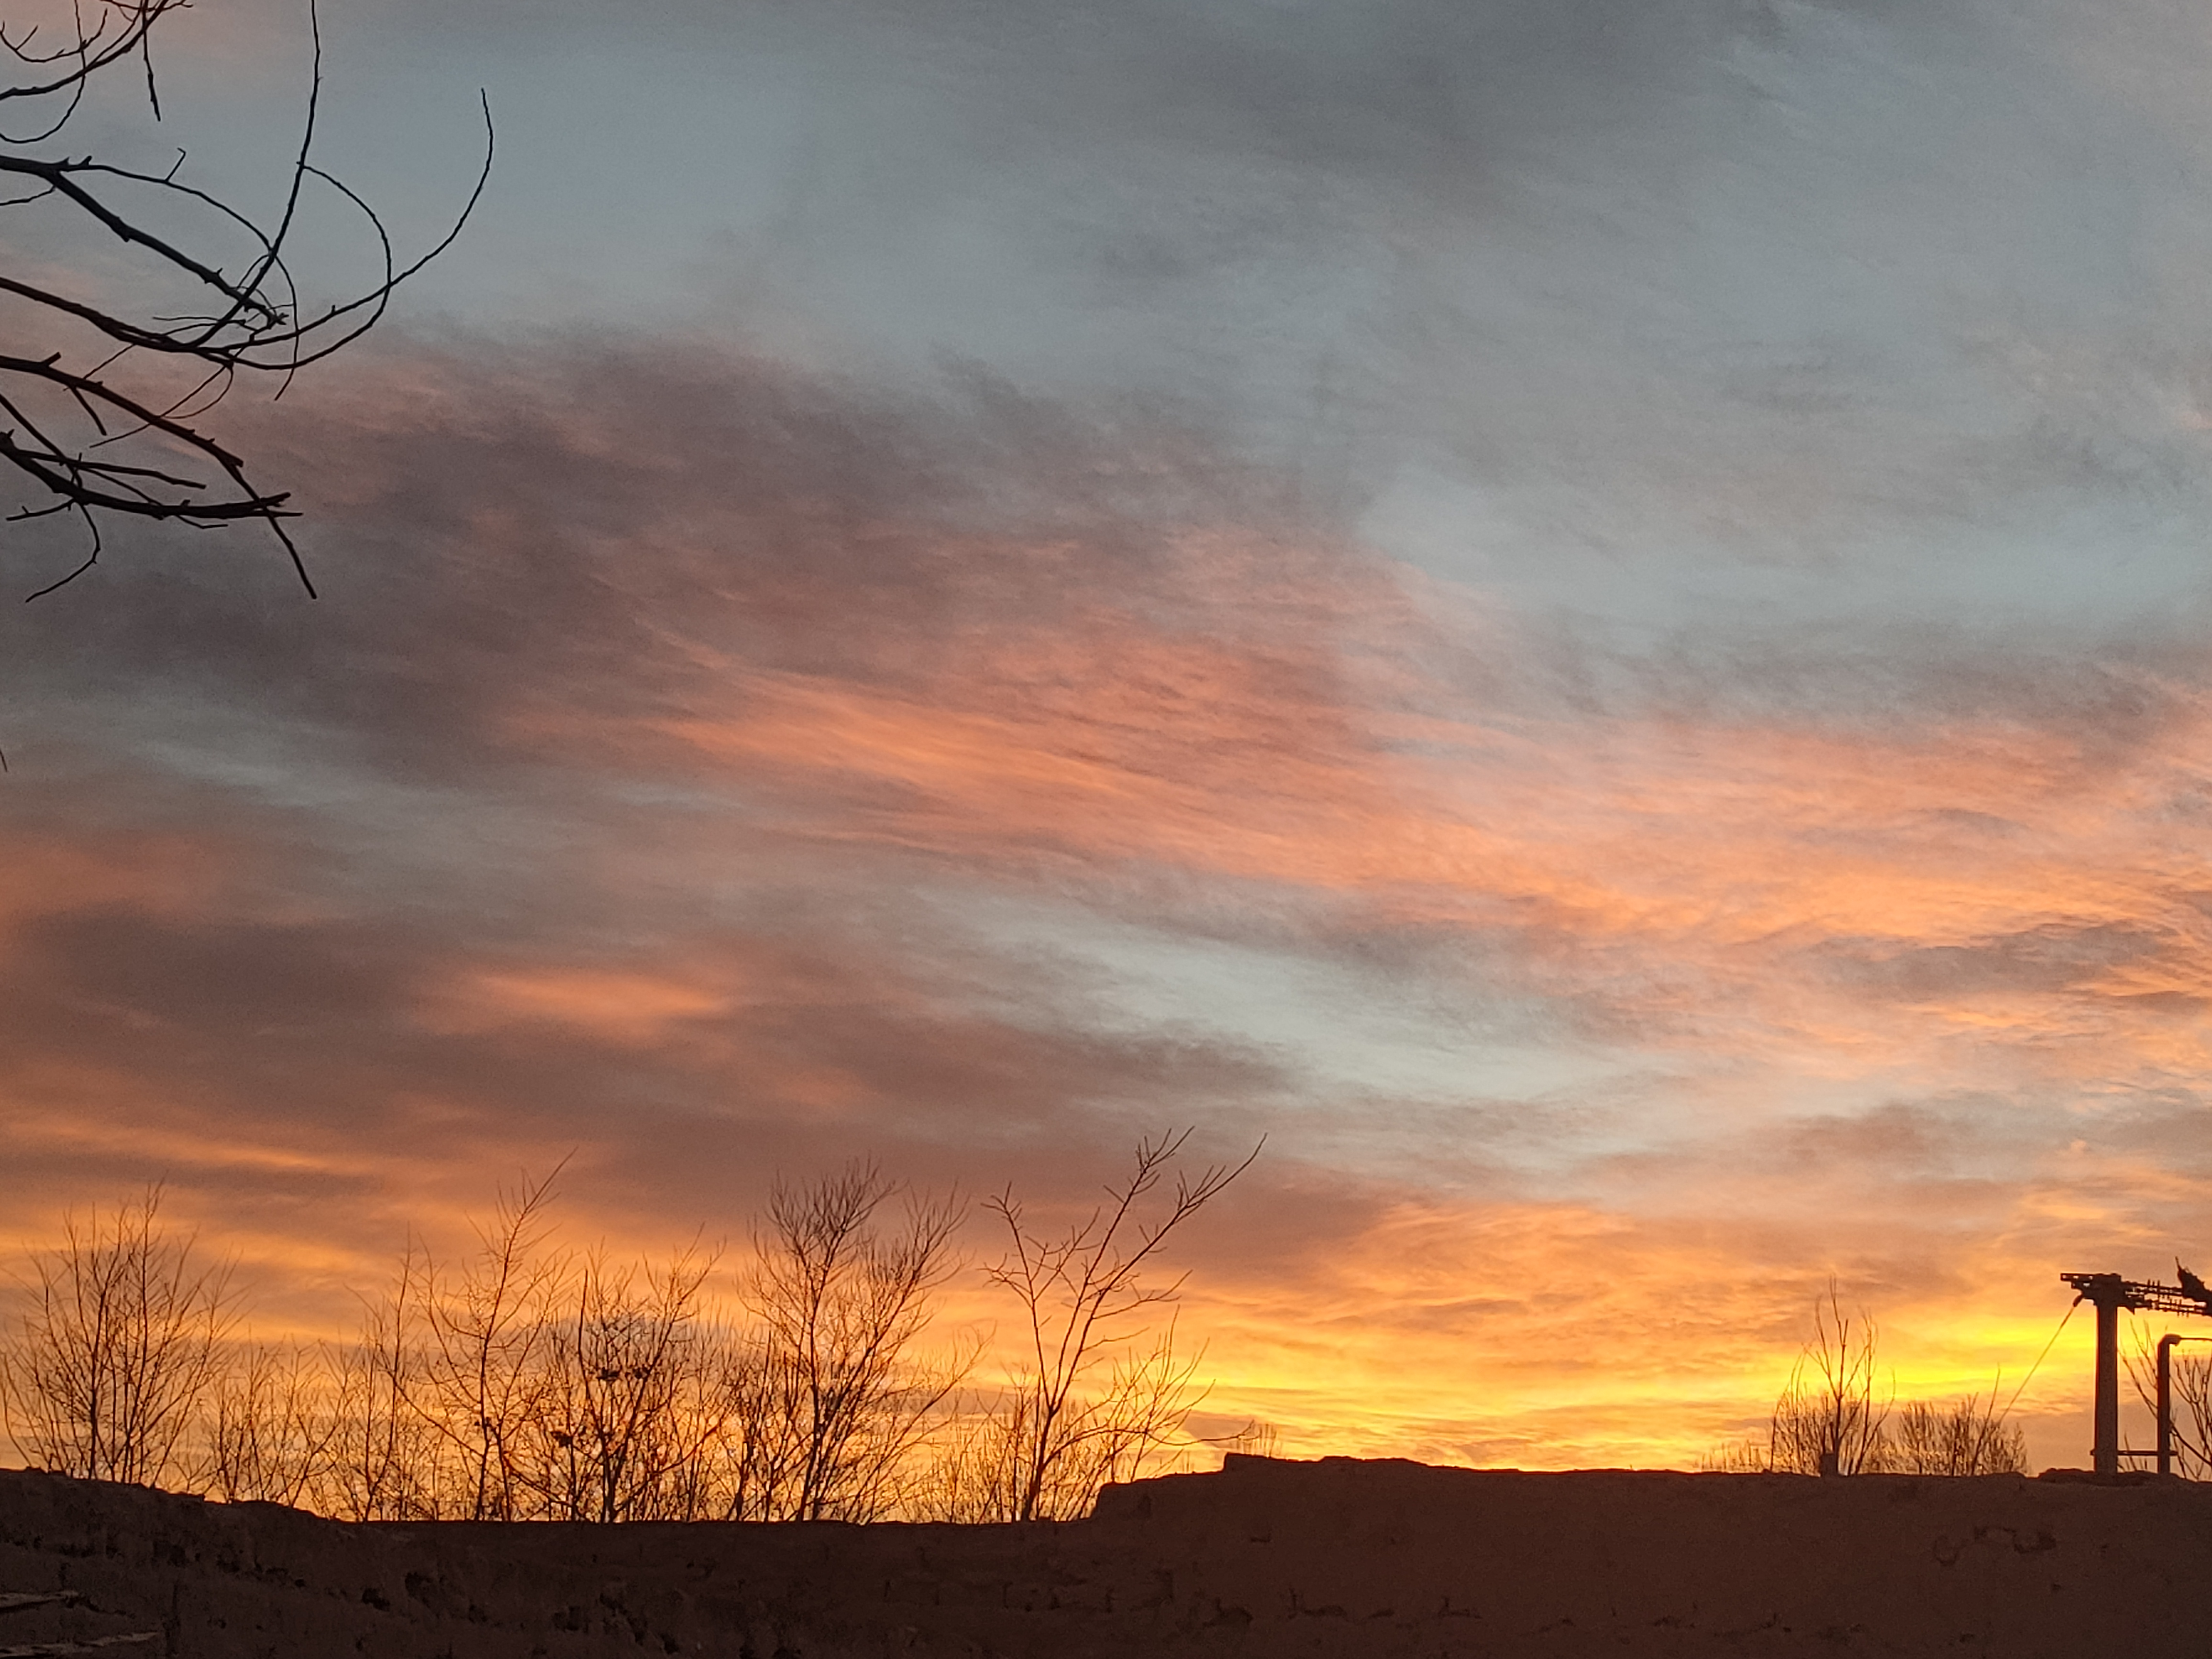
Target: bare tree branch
251	323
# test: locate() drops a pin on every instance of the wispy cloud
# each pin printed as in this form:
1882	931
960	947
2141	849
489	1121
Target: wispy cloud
721	771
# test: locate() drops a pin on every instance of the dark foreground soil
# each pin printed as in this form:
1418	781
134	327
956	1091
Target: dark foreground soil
1337	1558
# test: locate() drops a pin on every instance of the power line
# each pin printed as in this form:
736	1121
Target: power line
2039	1359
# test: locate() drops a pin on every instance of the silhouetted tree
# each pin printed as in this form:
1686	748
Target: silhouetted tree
1829	1420
478	1368
272	1427
1737	1457
103	387
383	1463
1098	1387
837	1404
524	1381
1833	1419
638	1393
121	1346
1968	1437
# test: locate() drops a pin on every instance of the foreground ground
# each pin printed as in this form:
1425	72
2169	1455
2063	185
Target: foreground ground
1266	1558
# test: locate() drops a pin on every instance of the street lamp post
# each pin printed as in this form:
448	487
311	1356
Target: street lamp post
2166	1398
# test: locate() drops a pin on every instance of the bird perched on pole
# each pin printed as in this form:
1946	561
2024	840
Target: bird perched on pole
2191	1286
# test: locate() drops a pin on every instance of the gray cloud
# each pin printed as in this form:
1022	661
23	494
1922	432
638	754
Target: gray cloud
582	534
2048	960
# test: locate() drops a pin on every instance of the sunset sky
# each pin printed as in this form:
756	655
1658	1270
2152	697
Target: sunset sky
1592	615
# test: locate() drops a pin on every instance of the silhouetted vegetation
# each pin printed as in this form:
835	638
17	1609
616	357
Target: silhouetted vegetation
121	1349
1097	1391
839	1409
1834	1417
105	380
1968	1437
1830	1419
525	1380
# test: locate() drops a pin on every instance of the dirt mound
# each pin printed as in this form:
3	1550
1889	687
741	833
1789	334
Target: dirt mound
1266	1558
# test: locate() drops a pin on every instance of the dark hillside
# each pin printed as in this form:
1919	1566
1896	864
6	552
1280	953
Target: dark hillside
1266	1558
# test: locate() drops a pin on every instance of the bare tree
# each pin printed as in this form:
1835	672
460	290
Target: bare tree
103	411
1133	1413
273	1427
1257	1438
1084	1406
486	1331
705	1441
531	1384
1833	1419
1829	1420
637	1395
122	1344
838	1405
385	1455
1968	1437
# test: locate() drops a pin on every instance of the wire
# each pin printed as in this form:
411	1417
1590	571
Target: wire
2039	1359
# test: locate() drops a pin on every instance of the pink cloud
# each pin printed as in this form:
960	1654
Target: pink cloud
654	744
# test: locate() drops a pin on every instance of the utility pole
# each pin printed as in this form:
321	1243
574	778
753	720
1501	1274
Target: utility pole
2108	1293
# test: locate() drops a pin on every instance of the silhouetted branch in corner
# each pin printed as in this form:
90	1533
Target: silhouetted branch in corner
103	415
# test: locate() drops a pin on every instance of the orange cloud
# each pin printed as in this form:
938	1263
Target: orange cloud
1924	885
620	1007
1908	989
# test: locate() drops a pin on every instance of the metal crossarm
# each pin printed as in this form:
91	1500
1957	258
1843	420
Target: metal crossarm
2142	1296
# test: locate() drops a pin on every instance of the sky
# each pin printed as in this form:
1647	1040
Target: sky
1589	615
